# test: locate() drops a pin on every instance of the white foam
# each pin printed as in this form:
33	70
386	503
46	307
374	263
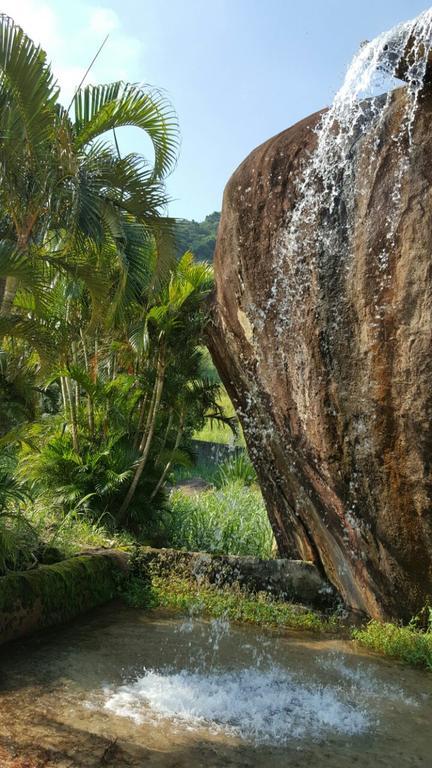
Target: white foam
273	706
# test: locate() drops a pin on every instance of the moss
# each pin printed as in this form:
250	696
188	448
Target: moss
52	594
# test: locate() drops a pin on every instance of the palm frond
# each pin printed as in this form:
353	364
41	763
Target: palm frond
102	108
29	81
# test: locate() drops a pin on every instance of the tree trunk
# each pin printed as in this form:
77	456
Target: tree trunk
64	396
9	294
147	438
141	421
169	463
90	405
167	431
73	413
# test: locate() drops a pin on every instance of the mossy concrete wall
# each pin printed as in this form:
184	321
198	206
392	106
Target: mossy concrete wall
53	594
291	580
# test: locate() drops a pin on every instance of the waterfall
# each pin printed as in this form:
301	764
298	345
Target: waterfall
318	228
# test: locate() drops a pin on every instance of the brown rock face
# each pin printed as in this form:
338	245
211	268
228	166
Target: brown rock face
328	358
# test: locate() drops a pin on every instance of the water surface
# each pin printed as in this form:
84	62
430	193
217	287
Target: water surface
126	688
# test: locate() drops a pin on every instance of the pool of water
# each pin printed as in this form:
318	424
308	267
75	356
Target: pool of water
127	688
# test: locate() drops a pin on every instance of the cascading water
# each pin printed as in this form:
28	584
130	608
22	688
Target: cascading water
320	226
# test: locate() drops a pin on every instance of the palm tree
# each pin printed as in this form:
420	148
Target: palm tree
172	328
69	203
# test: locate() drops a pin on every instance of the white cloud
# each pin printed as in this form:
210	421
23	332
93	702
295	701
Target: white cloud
71	33
103	20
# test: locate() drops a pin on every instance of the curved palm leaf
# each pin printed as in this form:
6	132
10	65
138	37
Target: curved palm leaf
102	108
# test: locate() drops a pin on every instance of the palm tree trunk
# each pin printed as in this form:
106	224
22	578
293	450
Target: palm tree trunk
11	284
90	405
140	421
2	289
167	431
149	418
64	396
73	413
9	294
84	349
76	388
169	463
147	438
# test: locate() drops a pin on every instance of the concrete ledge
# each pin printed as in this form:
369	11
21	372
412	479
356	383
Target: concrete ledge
53	594
292	580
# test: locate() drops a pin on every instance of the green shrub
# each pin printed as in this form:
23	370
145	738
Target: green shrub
238	468
409	644
19	541
96	479
231	520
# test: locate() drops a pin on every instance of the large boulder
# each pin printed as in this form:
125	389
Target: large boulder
333	383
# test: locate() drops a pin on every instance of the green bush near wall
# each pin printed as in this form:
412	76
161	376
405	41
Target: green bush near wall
53	594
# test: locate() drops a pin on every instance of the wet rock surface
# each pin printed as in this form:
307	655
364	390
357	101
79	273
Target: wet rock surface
333	388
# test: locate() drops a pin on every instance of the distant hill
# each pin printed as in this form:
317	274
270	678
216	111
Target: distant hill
198	236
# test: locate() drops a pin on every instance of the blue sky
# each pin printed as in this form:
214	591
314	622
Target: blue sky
237	71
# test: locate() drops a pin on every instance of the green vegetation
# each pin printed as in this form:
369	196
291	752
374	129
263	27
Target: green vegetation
226	431
103	376
218	431
144	589
237	469
198	237
235	605
72	533
227	520
410	644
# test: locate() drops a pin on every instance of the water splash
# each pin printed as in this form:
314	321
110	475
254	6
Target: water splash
250	695
271	706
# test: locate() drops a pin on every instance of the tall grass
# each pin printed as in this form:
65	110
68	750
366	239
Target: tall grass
75	531
206	470
238	468
227	520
